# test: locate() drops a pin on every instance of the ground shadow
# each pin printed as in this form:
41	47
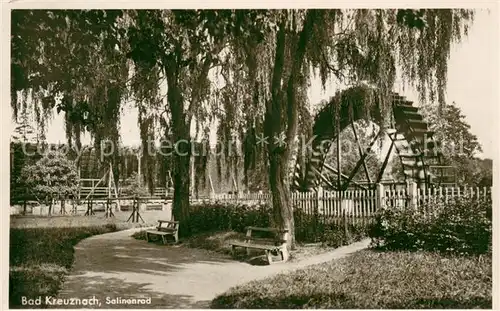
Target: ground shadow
105	254
112	293
117	265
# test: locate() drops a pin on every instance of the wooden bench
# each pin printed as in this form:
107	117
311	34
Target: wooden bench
276	244
170	228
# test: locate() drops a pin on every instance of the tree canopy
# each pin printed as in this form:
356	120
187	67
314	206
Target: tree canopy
459	145
452	129
248	70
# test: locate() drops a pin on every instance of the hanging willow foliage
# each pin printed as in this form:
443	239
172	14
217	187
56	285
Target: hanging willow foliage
145	86
84	57
373	46
76	55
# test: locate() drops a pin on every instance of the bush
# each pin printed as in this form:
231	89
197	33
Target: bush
226	217
461	227
330	231
132	186
236	217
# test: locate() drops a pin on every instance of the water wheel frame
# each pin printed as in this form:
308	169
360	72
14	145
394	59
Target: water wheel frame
418	151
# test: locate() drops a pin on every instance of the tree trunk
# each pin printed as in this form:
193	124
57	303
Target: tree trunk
63	205
182	150
180	208
282	120
282	207
50	207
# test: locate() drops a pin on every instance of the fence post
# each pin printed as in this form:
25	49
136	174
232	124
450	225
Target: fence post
380	197
319	200
412	194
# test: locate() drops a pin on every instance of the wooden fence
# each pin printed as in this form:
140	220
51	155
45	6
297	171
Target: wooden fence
361	203
103	192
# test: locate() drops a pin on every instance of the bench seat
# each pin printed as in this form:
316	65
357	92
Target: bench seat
156	232
256	246
163	231
277	244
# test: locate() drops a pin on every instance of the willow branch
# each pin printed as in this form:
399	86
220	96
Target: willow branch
292	108
278	67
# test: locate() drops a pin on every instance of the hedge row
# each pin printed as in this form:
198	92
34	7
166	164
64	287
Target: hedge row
308	228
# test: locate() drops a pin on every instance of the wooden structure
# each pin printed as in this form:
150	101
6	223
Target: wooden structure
101	192
90	208
171	228
135	215
411	140
276	245
109	210
359	203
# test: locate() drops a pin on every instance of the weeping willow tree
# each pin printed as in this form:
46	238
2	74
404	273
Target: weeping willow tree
71	60
272	55
237	117
184	45
373	47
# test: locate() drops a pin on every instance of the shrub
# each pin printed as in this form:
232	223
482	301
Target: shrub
308	228
132	186
220	217
462	227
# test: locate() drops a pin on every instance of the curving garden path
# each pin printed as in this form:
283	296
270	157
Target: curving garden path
116	265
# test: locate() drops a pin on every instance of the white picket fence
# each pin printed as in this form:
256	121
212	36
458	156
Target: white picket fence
361	203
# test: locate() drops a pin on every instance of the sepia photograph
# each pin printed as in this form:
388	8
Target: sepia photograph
225	158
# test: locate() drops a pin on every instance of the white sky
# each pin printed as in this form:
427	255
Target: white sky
472	84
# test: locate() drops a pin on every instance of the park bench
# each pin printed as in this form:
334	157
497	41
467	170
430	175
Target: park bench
276	245
170	228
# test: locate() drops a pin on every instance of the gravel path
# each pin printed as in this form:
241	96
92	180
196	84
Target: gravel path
116	266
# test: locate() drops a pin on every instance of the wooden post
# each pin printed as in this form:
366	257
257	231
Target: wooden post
139	168
211	185
380	197
413	194
339	165
112	185
235	185
320	200
110	176
191	164
79	184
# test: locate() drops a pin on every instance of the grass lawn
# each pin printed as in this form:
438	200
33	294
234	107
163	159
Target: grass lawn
41	248
372	279
150	218
41	257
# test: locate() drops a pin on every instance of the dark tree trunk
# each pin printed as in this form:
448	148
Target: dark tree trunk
282	207
181	178
281	119
181	126
50	207
181	150
63	205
